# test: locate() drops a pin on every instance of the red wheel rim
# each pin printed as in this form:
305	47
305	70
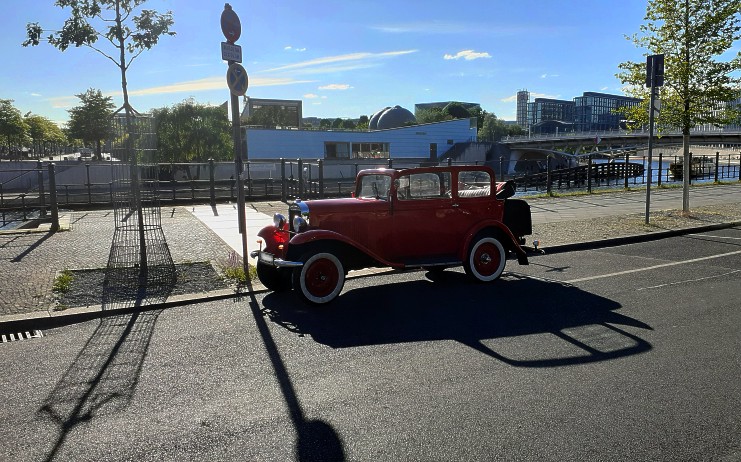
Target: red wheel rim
321	277
486	259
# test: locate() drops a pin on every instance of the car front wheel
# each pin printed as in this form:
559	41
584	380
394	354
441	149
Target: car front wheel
486	259
275	279
320	279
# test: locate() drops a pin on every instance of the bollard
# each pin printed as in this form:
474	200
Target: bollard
548	177
658	181
589	174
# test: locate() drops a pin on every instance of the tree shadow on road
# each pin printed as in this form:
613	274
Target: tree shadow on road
453	308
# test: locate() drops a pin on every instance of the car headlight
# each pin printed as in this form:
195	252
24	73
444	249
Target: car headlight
299	224
279	220
298	216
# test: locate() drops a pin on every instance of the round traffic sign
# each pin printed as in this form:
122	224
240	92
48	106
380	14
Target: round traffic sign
236	78
230	25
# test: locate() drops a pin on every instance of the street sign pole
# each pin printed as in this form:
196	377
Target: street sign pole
232	29
654	79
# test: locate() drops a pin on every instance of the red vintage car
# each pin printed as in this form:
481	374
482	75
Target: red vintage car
427	217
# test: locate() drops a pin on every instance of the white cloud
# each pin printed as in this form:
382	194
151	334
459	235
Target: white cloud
311	96
604	88
468	55
352	60
335	86
549	76
289	48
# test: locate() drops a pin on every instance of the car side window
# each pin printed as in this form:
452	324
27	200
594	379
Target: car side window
420	186
375	186
474	183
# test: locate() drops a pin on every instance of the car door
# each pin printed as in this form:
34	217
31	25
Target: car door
422	218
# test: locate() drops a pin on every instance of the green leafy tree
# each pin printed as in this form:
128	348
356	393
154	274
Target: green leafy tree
456	110
431	115
12	126
337	123
91	120
192	132
363	122
325	123
110	27
695	37
494	129
44	133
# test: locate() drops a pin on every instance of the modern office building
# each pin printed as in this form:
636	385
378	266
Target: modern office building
523	98
285	111
599	111
546	109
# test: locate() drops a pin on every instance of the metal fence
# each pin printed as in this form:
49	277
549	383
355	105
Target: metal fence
38	193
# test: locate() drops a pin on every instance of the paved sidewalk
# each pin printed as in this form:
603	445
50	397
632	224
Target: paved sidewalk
29	262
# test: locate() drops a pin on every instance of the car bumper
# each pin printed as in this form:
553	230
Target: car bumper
270	259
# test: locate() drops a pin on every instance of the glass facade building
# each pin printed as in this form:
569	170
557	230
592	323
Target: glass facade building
598	111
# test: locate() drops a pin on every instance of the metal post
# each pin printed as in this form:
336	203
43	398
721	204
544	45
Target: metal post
300	164
589	174
548	176
658	181
212	182
87	184
391	163
625	170
283	190
717	164
42	198
321	178
53	199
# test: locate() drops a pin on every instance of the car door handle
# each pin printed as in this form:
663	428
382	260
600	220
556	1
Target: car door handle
456	205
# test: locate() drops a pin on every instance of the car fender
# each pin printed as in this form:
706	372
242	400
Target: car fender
272	238
512	244
316	235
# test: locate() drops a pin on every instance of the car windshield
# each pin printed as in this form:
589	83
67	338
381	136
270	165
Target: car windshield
375	186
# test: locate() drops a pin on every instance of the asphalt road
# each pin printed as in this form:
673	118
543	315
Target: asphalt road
630	353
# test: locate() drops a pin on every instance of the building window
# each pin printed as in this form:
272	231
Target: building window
333	150
370	151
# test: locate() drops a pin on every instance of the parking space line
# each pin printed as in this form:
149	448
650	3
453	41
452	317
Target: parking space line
649	268
689	280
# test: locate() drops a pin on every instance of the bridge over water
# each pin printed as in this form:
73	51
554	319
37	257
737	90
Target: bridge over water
522	154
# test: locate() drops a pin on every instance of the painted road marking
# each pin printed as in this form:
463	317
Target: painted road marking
649	268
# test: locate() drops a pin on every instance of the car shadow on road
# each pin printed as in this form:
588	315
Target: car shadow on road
453	308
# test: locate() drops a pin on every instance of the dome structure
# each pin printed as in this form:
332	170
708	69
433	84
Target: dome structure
390	117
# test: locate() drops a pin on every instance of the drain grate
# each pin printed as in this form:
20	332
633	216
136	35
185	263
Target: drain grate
6	338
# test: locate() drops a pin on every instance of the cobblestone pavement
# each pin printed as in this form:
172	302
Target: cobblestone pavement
30	262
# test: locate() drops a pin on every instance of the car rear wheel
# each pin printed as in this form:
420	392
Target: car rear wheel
486	259
320	279
275	279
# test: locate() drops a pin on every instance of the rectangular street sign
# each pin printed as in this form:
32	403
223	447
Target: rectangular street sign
230	52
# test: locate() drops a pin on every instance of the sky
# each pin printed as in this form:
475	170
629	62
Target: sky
341	58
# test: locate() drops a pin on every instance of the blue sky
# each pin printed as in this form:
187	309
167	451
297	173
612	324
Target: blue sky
341	58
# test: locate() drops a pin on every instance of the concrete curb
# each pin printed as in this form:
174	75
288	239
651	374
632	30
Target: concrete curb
51	319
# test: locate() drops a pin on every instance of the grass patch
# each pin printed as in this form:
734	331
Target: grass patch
63	282
232	270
